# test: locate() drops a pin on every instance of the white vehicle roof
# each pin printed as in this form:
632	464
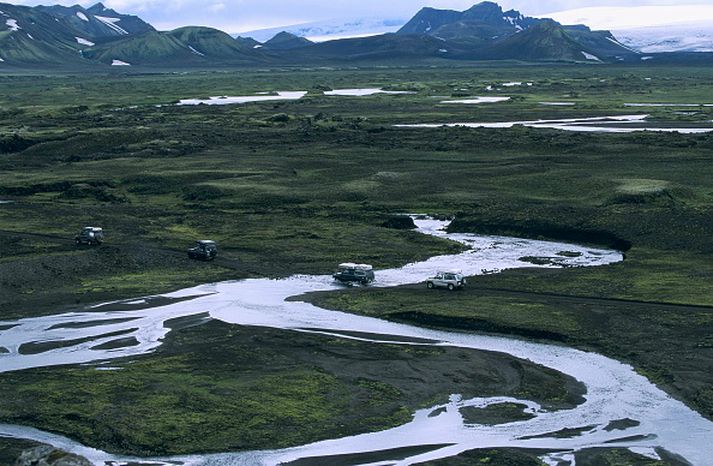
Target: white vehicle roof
349	265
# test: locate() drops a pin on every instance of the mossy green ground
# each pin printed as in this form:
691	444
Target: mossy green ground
301	193
251	388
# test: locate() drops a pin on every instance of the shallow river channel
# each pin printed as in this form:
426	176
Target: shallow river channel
614	390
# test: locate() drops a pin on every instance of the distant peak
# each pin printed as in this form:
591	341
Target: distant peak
287	40
97	8
490	12
287	36
486	7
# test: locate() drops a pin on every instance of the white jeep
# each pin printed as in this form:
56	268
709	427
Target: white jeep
450	280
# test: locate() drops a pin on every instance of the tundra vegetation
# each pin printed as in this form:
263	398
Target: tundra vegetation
300	186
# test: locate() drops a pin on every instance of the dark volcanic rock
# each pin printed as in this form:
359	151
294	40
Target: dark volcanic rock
400	223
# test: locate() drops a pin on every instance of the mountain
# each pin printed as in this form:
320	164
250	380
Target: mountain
603	43
388	47
150	48
209	42
97	36
30	36
97	22
286	41
429	20
57	35
485	22
189	46
485	31
322	31
122	24
547	40
74	36
248	42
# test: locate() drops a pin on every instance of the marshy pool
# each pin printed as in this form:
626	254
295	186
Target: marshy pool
364	92
603	124
477	100
260	97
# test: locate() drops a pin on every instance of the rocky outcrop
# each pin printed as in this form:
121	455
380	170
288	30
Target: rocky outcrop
46	455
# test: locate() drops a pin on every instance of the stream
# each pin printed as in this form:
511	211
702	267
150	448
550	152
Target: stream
614	390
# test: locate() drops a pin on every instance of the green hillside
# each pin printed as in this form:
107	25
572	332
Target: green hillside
545	41
213	43
184	46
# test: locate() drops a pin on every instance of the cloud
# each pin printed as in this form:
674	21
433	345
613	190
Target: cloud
217	7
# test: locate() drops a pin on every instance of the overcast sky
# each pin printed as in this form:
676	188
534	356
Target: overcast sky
245	15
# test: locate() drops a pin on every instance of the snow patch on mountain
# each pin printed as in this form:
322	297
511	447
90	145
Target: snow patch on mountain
12	25
119	63
111	23
196	51
82	16
86	42
331	30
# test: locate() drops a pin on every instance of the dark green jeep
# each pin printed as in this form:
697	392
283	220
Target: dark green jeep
205	250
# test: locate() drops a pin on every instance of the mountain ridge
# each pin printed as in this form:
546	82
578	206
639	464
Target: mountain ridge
98	36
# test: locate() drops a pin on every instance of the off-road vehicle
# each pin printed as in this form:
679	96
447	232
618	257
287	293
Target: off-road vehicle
204	250
354	273
92	236
450	280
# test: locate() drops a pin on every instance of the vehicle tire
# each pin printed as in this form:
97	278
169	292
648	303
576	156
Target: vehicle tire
429	285
77	242
451	287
